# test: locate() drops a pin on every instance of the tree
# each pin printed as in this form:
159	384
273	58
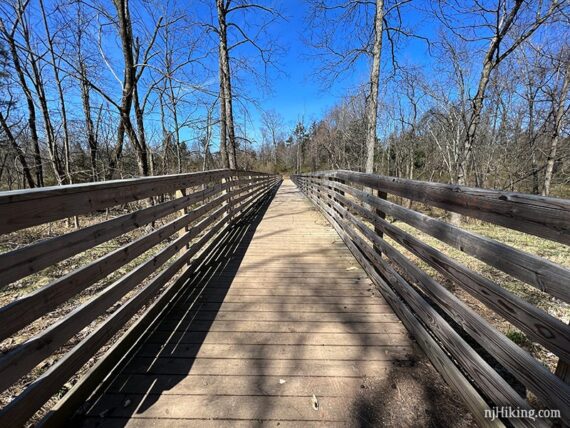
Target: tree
6	105
272	131
372	103
62	105
559	111
506	25
225	10
9	36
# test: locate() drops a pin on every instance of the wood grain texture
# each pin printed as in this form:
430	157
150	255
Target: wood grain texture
438	356
240	332
24	208
536	271
536	323
28	308
42	388
537	215
94	380
542	382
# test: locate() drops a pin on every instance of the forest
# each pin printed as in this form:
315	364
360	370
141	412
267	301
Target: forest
105	89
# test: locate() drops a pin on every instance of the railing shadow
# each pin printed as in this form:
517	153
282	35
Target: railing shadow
169	353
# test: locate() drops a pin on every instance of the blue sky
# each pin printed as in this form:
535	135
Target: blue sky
299	94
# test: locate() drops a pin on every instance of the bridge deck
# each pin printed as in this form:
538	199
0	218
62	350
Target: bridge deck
284	313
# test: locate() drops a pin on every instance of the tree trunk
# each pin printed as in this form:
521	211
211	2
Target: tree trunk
225	82
38	83
38	167
490	61
126	34
559	116
372	104
91	138
476	109
66	149
223	141
19	152
174	104
140	145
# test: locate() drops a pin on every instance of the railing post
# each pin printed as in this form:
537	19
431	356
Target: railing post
226	183
340	192
563	370
180	193
382	195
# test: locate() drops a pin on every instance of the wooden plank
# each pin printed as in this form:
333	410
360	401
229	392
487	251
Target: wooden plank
21	359
521	364
342	317
216	407
21	209
537	215
238	385
277	351
256	363
42	388
301	307
542	382
444	332
537	324
32	258
292	300
273	338
283	291
120	350
258	368
24	208
26	309
136	422
536	271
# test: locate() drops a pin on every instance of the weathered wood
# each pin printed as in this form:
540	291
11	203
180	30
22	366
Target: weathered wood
32	258
286	216
39	391
21	209
24	357
437	355
23	311
537	215
62	411
536	323
543	383
536	271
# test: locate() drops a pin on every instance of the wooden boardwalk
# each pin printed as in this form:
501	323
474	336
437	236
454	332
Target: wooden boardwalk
283	313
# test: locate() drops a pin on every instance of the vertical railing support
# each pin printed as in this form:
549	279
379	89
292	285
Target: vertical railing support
382	215
180	193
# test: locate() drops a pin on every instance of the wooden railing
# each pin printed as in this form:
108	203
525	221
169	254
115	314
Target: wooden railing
456	338
179	219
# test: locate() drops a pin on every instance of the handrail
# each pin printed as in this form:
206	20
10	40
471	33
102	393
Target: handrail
193	210
358	215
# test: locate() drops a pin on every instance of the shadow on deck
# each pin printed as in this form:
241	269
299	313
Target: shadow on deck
277	315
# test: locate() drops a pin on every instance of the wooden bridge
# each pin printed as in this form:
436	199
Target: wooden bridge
235	298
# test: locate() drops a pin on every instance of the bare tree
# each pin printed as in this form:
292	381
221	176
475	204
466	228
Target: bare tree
272	131
9	36
225	10
372	103
506	25
559	111
58	81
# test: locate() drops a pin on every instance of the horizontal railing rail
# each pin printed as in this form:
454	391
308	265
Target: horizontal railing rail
356	204
132	260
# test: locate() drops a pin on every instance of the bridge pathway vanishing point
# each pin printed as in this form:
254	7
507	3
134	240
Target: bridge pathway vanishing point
285	313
